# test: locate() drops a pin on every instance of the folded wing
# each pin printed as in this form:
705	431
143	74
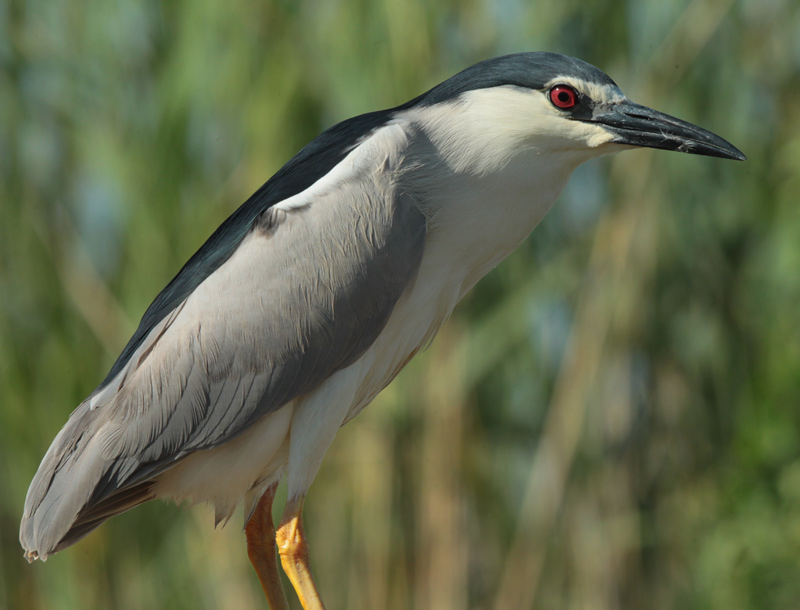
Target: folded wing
305	294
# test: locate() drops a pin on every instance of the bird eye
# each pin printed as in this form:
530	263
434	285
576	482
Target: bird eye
563	96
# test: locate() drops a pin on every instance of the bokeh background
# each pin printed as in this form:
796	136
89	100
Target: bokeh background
609	421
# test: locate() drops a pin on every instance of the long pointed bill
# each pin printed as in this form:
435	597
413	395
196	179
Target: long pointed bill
635	125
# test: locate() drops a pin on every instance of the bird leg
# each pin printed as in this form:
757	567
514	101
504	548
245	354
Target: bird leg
293	550
261	549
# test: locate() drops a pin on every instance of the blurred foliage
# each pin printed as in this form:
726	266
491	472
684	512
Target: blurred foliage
609	421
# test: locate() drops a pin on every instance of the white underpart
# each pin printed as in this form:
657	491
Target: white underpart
222	476
487	168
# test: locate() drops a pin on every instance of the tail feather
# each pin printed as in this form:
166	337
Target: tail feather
115	504
95	515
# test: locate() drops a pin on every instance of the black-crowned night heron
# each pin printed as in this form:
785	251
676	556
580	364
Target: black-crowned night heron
317	291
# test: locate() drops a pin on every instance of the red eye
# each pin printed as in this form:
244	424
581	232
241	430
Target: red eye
563	96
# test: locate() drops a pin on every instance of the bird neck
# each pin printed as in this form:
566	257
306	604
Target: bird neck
481	199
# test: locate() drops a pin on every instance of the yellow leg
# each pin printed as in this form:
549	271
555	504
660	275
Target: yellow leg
260	533
293	550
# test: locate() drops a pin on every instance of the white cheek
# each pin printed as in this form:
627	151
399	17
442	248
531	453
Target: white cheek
598	137
554	132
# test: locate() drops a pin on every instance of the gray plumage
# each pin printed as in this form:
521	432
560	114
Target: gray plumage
328	285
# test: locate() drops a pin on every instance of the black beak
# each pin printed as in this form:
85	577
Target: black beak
637	125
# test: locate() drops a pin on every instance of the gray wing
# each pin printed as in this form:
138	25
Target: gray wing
304	295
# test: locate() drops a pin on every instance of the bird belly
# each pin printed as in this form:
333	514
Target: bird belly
415	320
222	476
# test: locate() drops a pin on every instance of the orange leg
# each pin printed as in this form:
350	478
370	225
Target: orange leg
293	550
260	533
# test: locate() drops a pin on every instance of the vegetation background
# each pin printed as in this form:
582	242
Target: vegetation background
609	421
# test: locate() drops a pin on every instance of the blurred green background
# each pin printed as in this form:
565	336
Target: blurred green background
609	421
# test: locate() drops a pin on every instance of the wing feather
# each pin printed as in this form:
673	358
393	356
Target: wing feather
304	295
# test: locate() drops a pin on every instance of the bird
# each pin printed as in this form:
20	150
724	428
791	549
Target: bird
314	294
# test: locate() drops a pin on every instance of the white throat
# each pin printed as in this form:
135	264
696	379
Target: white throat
483	179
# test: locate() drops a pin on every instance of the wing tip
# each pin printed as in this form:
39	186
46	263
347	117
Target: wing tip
32	556
31	542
